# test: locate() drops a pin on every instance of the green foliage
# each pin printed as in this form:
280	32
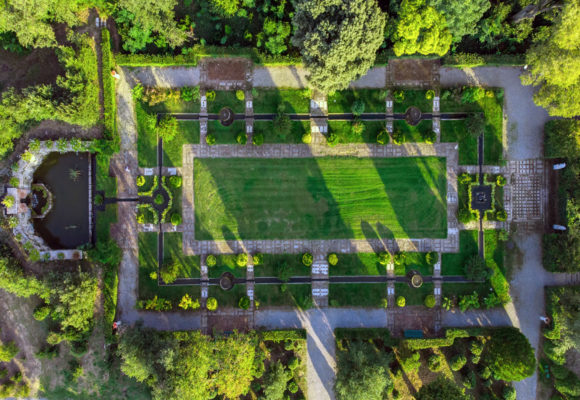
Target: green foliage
15	281
242	260
240	95
176	219
432	257
357	127
140	180
167	128
501	180
155	304
332	139
420	29
307	259
332	259
469	301
258	139
275	382
242	138
509	393
211	304
509	355
210	260
175	181
429	301
187	303
8	351
410	361
457	362
109	97
383	137
276	36
244	302
307	138
358	107
158	199
41	312
258	259
464	178
225	8
210	139
170	271
434	362
338	40
8	201
475	124
476	269
461	16
476	347
190	93
401	301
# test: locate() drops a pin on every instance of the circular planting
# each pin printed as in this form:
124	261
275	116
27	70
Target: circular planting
413	115
160	199
227	281
415	279
226	116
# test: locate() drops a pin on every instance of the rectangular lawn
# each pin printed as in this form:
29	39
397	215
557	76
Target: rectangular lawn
343	129
341	101
320	198
357	294
295	101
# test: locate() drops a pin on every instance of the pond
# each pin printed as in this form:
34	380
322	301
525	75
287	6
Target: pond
66	176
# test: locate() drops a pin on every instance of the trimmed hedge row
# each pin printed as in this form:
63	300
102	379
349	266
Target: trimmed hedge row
467	60
448	340
365	334
283	335
109	100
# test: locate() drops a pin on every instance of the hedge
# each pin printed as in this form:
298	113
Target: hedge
469	60
365	334
283	335
109	100
448	340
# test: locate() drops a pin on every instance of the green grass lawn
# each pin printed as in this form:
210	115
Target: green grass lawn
176	204
462	289
147	137
104	181
320	198
104	221
341	101
413	296
413	134
189	266
274	263
299	128
172	150
452	263
357	264
413	98
226	99
148	288
226	134
494	256
414	261
174	106
284	295
357	294
295	101
455	131
228	298
344	132
226	263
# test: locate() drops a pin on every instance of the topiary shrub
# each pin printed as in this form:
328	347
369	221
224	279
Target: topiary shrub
175	181
293	387
169	272
258	258
358	107
244	302
434	362
293	363
501	215
140	180
383	137
158	199
357	127
210	95
509	355
176	219
429	301
8	201
384	258
457	362
41	312
307	138
211	304
411	362
332	139
210	260
307	259
430	94
509	393
242	260
242	138
432	257
190	93
398	96
501	181
332	259
210	139
153	275
384	302
398	137
240	95
401	301
258	139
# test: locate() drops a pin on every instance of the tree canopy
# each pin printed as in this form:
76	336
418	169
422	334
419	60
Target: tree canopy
338	39
461	16
441	388
509	355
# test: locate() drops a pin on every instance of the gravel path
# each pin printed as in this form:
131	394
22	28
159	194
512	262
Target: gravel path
295	77
167	77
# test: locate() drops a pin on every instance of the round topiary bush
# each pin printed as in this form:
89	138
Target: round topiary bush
434	362
211	304
176	219
242	138
175	181
401	301
307	259
258	139
332	140
430	94
383	137
293	363
210	260
458	362
384	258
432	257
210	95
140	180
398	137
357	128
332	259
509	393
501	215
501	180
399	96
429	301
244	302
307	138
210	139
242	260
41	312
358	107
98	200
170	271
258	258
158	199
240	95
430	137
293	387
384	302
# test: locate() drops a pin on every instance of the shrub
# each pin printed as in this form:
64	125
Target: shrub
411	362
332	139
240	95
332	259
210	260
293	387
401	301
258	139
430	94
458	362
41	312
509	355
140	180
399	257
187	303
430	137
242	260
210	139
509	393
485	373
258	258
14	181
307	138
357	127
8	201
430	301
398	96
476	347
242	138
210	95
398	137
307	259
501	215
358	107
384	302
170	271
383	137
176	181
176	219
212	304
384	258
8	351
158	199
464	178
153	275
244	302
501	181
475	124
476	269
293	363
434	362
472	94
432	257
190	93
470	380
167	128
99	199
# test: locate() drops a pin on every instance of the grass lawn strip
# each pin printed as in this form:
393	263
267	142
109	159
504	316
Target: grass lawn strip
284	295
189	266
413	98
343	129
173	106
147	137
357	264
414	261
226	134
294	101
453	263
104	221
226	263
320	198
413	296
413	134
272	265
188	133
266	128
494	256
226	99
357	294
461	289
228	298
341	101
455	131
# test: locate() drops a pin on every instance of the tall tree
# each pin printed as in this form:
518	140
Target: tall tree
420	29
509	355
338	39
441	388
461	16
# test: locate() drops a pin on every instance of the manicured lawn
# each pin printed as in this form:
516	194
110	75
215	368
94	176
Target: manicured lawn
104	182
414	261
299	128
189	266
357	294
341	101
413	98
344	132
176	204
455	131
172	150
494	256
461	289
226	134
226	263
228	298
226	99
413	134
357	264
104	221
284	295
148	288
453	263
320	198
174	106
294	101
413	296
147	137
274	264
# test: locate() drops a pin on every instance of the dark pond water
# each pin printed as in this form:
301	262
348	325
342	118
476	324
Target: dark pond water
66	176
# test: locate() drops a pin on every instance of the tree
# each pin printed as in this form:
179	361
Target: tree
8	351
362	372
441	389
476	268
461	16
225	8
170	271
475	124
167	128
420	29
509	355
234	363
275	382
276	33
338	39
15	281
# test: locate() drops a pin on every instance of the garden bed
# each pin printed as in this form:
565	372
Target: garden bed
292	295
357	294
295	101
343	129
228	298
226	263
414	98
266	128
413	134
225	99
414	261
357	264
273	264
456	131
226	134
413	296
453	263
341	101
